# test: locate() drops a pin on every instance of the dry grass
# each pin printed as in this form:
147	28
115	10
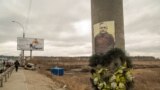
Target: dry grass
73	81
148	62
147	79
147	75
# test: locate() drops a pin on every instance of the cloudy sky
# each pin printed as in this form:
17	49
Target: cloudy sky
66	26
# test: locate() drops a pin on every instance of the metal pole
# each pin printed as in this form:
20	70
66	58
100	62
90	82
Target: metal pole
23	61
20	26
30	54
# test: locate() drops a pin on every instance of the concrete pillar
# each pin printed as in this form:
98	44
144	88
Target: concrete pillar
110	11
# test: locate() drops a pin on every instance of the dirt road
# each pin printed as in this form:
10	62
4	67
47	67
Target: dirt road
36	81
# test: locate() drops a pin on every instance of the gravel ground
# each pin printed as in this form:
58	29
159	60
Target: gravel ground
36	81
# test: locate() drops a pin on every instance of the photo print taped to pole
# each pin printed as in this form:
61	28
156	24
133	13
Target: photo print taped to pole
104	35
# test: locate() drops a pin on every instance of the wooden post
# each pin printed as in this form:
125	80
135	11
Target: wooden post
5	77
1	80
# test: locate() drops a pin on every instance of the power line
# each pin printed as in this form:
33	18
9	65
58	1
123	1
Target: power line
28	14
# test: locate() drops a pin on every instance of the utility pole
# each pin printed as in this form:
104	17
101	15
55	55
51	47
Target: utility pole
104	11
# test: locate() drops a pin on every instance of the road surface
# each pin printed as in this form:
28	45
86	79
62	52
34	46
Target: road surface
29	80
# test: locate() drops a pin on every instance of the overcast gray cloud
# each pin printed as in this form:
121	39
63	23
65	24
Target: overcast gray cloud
66	26
142	27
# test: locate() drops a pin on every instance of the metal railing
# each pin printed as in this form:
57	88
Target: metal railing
5	75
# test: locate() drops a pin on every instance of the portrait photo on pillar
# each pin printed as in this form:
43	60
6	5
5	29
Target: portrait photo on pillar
104	36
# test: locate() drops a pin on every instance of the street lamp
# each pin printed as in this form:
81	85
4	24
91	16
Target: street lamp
20	26
23	36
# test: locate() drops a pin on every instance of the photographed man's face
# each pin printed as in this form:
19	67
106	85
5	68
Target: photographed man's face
103	28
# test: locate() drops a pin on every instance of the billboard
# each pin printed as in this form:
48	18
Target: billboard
104	36
27	44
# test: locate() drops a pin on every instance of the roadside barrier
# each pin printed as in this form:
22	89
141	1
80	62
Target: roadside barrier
5	75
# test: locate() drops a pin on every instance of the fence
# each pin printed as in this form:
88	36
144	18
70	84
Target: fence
5	75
